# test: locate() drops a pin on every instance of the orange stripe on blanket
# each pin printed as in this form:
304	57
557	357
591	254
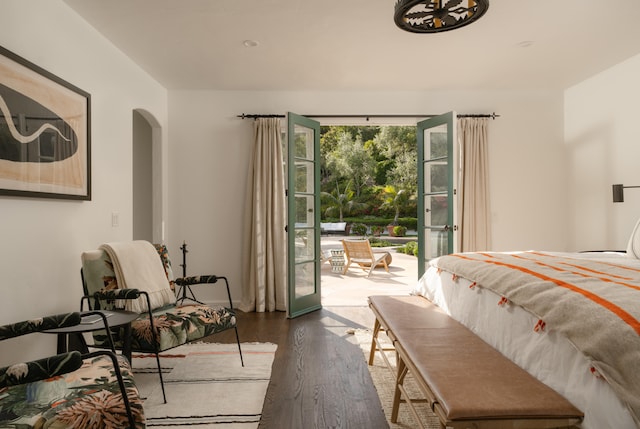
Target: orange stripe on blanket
580	267
620	312
609	264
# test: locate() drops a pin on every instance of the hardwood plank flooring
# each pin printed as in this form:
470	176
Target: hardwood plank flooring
320	377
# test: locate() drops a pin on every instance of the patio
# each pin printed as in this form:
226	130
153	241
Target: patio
353	288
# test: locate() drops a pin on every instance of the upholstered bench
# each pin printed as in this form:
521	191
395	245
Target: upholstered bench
465	381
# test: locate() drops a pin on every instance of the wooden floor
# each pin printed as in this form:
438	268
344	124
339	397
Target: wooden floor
320	377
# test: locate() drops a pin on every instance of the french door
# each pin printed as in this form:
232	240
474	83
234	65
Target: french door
437	173
303	224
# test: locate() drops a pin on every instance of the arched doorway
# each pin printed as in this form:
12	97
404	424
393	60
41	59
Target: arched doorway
147	178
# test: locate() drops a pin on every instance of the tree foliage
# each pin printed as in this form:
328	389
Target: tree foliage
370	159
396	199
340	203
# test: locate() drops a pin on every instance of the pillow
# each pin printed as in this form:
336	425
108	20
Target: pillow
633	247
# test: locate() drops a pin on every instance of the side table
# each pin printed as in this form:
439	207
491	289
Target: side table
337	260
72	338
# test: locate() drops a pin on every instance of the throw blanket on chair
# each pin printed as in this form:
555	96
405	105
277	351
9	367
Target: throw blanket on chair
137	265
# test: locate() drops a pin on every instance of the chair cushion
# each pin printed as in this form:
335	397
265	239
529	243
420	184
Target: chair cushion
175	326
166	263
88	397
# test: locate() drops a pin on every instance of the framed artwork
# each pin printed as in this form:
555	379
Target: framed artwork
45	149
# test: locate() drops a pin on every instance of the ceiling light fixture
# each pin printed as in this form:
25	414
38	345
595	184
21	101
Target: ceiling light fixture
250	43
435	16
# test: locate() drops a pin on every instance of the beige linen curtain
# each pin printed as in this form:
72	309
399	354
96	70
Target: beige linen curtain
265	266
473	195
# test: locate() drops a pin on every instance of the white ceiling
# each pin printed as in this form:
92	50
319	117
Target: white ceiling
355	45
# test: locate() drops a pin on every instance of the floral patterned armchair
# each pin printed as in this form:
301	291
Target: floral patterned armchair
69	390
158	328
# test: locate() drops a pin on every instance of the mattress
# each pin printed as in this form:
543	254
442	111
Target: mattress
518	334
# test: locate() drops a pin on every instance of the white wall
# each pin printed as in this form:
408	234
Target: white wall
41	239
210	152
602	136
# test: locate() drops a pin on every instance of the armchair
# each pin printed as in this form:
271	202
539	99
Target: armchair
69	390
162	324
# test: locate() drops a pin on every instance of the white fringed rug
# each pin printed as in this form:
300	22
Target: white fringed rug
206	386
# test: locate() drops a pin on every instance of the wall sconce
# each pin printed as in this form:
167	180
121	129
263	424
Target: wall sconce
618	192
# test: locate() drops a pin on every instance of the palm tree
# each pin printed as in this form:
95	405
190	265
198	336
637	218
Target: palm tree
397	199
342	203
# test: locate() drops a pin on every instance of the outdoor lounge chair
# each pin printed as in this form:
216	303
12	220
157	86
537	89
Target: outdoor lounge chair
360	252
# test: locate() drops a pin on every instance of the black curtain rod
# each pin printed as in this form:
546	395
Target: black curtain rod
256	116
472	115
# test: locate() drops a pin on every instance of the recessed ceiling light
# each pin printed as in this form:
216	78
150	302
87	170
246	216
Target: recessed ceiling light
524	44
250	43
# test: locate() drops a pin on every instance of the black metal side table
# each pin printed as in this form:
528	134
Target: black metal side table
72	338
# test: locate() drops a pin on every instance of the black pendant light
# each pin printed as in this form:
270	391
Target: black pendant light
424	16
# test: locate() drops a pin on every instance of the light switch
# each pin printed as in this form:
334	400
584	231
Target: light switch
115	219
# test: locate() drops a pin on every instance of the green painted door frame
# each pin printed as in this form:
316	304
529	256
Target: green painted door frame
303	224
436	188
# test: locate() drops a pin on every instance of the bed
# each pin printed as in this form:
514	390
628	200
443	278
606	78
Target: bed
572	320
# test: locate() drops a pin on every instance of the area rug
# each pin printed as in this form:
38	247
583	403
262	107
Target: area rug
206	386
384	382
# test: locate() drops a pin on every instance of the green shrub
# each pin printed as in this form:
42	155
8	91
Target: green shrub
411	248
377	242
376	229
399	230
359	229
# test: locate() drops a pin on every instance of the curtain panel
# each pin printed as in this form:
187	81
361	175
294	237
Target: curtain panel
265	262
473	195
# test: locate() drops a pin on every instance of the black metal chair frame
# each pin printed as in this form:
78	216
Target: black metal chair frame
134	294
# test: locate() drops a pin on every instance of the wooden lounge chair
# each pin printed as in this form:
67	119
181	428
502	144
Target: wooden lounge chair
360	252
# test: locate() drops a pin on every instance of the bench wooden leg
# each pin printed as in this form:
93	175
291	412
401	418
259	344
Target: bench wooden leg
372	352
402	372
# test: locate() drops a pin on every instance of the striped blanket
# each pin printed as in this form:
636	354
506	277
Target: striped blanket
595	303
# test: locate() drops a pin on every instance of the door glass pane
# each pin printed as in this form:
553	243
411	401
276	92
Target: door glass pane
305	279
437	241
438	210
436	177
303	142
304	210
437	142
304	177
305	248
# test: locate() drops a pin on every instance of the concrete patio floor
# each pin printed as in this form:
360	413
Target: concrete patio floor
353	288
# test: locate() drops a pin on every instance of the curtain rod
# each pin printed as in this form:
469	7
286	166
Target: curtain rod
470	115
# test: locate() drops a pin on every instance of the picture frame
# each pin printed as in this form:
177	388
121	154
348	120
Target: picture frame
45	133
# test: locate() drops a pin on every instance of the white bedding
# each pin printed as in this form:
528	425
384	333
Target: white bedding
545	354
